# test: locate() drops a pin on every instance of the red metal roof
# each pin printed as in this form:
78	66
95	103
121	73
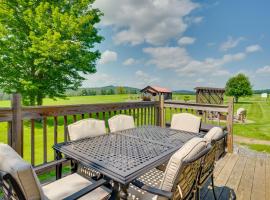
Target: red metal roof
158	89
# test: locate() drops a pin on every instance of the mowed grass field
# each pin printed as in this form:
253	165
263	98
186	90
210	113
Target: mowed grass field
258	111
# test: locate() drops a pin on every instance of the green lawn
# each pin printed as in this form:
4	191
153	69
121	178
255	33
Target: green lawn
259	113
83	100
258	147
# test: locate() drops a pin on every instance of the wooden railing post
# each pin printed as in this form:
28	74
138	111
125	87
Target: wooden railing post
161	110
230	124
16	134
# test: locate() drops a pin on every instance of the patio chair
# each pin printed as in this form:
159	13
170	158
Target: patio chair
186	122
207	169
19	182
86	128
241	115
121	122
180	177
82	129
219	136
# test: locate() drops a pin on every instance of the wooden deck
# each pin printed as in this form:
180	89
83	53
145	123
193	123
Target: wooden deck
241	177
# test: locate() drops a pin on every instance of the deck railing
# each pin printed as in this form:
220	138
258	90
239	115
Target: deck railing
32	131
221	115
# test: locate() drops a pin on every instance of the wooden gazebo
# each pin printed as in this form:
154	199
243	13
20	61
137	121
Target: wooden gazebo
209	95
155	91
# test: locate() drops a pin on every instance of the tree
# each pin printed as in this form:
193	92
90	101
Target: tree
238	86
84	92
46	46
103	92
121	90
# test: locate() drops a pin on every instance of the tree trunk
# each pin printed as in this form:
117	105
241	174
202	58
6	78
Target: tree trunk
236	99
39	99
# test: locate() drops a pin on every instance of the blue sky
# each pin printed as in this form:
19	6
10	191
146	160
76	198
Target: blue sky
181	44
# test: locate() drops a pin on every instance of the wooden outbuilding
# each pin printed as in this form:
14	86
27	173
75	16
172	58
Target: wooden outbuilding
152	91
209	95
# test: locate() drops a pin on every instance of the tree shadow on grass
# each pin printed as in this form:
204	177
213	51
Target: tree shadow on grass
243	102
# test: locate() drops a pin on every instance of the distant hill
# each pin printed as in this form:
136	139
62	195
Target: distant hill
106	90
261	91
183	92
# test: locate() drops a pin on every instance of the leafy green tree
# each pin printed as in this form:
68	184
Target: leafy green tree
238	86
103	92
121	90
84	92
111	92
92	92
186	98
46	46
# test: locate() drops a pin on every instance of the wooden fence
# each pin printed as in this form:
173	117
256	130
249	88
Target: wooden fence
32	131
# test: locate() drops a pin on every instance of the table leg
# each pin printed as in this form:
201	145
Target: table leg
74	166
115	191
123	192
58	166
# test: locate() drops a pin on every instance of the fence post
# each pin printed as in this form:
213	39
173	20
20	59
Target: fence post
230	124
16	130
161	110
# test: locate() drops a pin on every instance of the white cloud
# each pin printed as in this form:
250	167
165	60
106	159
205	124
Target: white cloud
168	57
145	79
200	80
178	59
98	79
194	20
107	57
129	61
151	21
263	70
197	20
253	48
186	40
230	43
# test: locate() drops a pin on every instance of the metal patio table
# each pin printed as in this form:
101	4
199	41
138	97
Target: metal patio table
125	155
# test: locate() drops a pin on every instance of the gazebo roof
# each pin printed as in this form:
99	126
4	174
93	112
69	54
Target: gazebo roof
221	90
156	89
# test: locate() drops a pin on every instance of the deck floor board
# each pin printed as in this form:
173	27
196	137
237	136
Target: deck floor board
240	177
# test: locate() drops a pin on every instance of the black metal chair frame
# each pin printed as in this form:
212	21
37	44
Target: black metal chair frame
210	171
167	194
12	189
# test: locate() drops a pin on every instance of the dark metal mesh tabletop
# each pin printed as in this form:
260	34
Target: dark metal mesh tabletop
125	155
161	135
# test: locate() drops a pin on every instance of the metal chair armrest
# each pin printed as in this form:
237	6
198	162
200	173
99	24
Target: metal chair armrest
152	190
86	190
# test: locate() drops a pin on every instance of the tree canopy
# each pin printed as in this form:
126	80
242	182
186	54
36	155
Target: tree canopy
46	46
238	86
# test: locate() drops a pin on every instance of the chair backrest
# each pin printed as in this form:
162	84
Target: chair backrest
121	122
183	168
208	164
86	128
216	135
186	122
240	111
17	177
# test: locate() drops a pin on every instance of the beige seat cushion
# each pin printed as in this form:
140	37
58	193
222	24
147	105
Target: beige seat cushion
121	122
69	185
21	171
189	150
86	128
186	122
213	134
